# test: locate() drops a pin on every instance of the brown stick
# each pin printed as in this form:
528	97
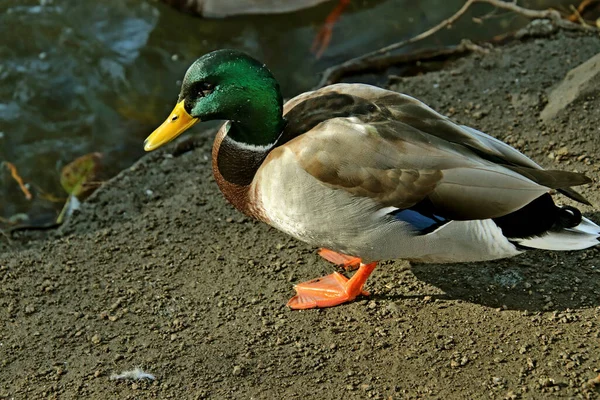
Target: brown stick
5	235
380	63
15	175
365	62
552	15
333	74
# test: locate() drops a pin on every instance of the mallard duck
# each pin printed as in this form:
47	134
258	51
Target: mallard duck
370	175
226	8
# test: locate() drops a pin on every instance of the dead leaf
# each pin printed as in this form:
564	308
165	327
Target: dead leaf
77	177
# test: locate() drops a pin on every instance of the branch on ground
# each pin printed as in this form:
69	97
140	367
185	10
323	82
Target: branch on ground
375	59
15	175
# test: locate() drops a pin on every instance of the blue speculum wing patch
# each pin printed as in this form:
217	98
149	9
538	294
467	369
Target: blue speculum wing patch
422	223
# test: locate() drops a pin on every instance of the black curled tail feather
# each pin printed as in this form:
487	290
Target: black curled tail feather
568	217
536	218
543	225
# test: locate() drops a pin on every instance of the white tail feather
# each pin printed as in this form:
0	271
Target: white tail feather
587	226
582	236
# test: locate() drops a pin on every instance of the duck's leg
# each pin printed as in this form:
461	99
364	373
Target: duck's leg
349	263
323	38
331	290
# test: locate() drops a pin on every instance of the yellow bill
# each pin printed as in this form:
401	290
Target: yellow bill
178	122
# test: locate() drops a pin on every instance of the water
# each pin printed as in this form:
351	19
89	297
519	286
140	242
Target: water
80	76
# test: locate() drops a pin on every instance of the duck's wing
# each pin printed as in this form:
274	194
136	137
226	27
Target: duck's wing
486	146
397	151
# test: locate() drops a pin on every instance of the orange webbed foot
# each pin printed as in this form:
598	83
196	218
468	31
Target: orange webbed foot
331	290
349	263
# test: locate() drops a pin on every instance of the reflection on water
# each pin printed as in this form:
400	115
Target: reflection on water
83	76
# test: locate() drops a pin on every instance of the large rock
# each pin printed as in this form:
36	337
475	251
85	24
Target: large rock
580	82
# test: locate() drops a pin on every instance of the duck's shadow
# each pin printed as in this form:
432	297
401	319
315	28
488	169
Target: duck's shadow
535	281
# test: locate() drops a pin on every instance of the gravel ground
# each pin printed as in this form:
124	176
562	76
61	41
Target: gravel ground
157	271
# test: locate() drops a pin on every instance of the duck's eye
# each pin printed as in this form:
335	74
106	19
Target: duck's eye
204	89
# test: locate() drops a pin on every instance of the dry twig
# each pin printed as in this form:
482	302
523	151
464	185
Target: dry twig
333	74
370	60
582	8
6	236
15	175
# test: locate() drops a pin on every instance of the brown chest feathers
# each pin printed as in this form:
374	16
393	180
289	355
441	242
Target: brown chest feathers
234	167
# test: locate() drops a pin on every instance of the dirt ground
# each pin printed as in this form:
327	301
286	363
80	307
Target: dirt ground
157	271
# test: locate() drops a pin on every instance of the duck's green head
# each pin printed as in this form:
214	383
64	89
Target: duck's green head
226	85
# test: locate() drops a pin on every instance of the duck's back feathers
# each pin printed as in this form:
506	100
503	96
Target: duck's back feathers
398	151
